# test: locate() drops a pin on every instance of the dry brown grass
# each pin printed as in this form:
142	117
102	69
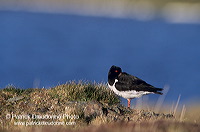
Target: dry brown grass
145	126
87	100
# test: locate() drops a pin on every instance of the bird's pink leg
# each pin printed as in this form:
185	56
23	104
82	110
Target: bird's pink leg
129	103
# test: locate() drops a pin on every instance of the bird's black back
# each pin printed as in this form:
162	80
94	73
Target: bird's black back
127	82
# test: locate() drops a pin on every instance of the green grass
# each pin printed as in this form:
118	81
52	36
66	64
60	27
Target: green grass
54	100
99	4
84	91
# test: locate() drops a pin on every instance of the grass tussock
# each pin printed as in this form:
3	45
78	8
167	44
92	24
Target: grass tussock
83	91
90	106
78	98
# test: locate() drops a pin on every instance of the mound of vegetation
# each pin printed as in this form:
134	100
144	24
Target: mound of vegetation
71	106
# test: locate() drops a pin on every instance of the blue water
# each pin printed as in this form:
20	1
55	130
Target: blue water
44	50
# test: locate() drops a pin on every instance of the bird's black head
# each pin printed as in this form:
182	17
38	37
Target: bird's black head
114	72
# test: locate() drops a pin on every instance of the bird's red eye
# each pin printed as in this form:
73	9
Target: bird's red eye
116	70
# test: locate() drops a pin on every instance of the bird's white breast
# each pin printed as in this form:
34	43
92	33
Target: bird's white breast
127	94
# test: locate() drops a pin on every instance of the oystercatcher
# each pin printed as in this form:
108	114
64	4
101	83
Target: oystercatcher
128	86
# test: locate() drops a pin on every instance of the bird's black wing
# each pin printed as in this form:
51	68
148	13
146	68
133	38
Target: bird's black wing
128	82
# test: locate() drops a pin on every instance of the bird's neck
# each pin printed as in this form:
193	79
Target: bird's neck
111	79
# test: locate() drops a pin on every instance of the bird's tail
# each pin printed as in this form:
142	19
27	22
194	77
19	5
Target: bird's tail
157	91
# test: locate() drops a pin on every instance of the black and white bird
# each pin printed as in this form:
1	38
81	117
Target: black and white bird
128	86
